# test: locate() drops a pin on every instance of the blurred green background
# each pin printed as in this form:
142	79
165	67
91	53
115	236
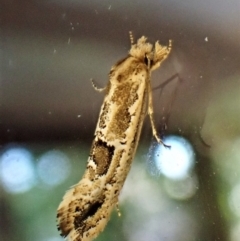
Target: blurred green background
49	50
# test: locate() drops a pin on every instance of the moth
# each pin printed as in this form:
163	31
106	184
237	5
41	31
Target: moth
87	206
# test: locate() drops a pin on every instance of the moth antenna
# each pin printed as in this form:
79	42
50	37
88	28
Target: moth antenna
131	37
170	45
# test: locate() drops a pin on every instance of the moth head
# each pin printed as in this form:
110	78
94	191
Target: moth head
144	51
141	49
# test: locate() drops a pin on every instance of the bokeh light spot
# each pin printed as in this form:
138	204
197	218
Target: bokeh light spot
16	170
234	200
174	162
181	189
53	167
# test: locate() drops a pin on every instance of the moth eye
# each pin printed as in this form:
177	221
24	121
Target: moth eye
146	60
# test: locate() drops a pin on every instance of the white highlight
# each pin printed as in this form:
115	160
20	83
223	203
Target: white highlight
16	170
53	167
176	162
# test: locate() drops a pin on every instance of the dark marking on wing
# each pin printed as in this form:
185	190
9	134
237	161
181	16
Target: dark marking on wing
63	226
83	215
105	109
102	155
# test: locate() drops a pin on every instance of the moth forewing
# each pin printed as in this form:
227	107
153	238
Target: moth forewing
87	206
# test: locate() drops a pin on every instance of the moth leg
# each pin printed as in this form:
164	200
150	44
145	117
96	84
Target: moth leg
96	87
150	113
167	110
